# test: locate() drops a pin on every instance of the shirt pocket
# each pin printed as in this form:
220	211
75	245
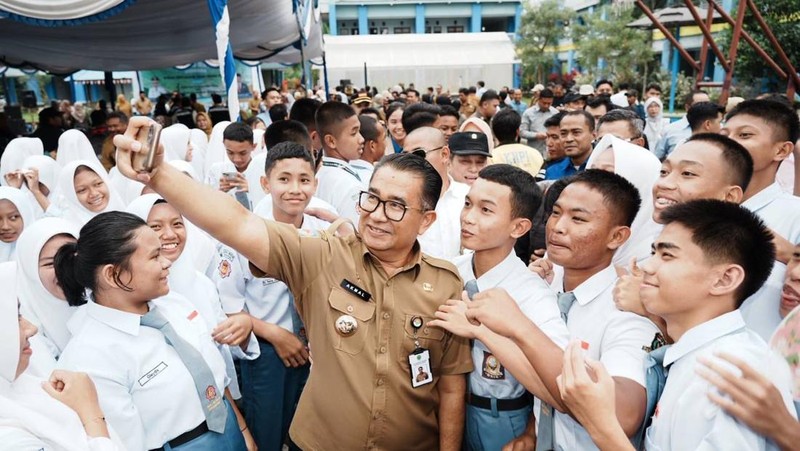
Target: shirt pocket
343	303
430	338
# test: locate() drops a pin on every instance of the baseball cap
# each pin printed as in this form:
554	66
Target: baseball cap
586	90
469	143
362	99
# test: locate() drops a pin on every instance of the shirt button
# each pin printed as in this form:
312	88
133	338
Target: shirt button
386	315
380	381
389	283
349	309
383	349
425	331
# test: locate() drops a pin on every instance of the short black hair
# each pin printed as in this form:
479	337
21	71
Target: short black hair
728	233
419	167
701	112
216	98
239	132
369	128
278	112
635	123
481	83
118	115
552	192
618	193
287	131
330	116
546	93
443	100
526	197
778	115
304	110
449	110
554	120
582	113
505	125
604	82
285	150
490	94
654	86
734	155
412	90
419	115
267	91
598	101
369	111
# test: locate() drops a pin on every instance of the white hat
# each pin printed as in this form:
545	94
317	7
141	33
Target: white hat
586	90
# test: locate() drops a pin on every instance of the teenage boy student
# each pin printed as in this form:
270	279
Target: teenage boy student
272	384
590	220
237	174
709	258
498	210
374	134
768	130
339	185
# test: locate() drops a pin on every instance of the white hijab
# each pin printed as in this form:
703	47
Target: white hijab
23	403
653	126
49	313
23	204
48	169
215	152
68	203
74	145
258	140
175	139
641	168
187	168
199	141
17	150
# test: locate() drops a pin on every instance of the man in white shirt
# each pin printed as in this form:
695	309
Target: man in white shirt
443	237
590	220
374	134
498	210
768	130
238	175
339	185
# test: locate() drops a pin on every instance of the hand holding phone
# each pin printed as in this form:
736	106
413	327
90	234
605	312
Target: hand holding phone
148	136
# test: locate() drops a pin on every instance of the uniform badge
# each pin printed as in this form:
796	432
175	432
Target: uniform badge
658	341
492	369
224	269
427	287
346	325
420	365
211	392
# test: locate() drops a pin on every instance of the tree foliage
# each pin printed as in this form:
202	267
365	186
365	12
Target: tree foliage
604	35
783	17
542	27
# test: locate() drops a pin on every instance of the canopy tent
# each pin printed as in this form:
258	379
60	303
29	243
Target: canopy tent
119	35
452	59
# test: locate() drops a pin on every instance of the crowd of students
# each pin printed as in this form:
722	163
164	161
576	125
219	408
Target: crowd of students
297	282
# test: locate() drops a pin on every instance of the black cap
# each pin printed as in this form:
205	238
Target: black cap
469	143
573	97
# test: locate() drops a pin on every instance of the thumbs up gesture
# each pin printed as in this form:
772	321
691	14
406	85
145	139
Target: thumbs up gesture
626	291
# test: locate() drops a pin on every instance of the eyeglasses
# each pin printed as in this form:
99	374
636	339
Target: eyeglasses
420	152
393	210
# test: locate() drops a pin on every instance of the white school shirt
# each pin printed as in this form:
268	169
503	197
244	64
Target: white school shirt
685	419
252	174
264	298
537	302
615	338
146	393
340	186
780	211
443	237
364	169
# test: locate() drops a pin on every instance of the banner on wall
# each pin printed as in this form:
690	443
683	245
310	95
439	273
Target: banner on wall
200	78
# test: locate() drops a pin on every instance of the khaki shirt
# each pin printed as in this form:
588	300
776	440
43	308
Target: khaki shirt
359	393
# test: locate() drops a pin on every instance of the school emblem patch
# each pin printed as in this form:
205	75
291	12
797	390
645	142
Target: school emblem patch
224	269
211	392
492	369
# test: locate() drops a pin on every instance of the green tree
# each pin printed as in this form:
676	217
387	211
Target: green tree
541	29
604	34
783	18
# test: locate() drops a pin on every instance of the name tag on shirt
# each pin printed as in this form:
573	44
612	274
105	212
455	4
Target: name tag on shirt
355	290
148	376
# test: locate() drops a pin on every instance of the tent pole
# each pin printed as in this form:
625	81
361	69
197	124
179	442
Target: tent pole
366	83
111	89
325	74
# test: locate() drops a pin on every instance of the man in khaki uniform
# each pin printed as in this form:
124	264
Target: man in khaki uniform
366	301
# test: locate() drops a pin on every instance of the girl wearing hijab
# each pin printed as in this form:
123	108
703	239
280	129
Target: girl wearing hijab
216	148
74	145
654	121
203	122
41	299
199	142
41	173
159	375
13	159
60	414
16	213
475	124
177	145
642	169
123	106
83	192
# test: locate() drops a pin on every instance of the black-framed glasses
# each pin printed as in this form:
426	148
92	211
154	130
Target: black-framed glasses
392	209
420	152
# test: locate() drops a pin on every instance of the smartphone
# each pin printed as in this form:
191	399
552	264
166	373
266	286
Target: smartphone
230	175
148	136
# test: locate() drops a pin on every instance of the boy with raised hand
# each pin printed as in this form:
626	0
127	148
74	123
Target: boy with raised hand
768	130
339	185
272	384
498	210
590	221
709	258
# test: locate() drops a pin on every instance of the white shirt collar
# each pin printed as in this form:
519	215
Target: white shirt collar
590	289
456	189
122	321
763	197
494	276
704	333
361	164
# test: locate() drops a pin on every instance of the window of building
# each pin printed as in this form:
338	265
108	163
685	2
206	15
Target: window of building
455	29
402	30
437	29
